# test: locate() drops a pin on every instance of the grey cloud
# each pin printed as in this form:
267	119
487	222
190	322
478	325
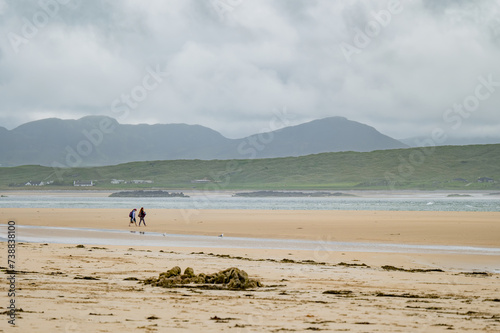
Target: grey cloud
231	69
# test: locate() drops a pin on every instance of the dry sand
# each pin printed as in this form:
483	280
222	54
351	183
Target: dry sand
57	293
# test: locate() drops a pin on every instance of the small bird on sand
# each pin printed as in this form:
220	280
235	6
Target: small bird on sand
221	235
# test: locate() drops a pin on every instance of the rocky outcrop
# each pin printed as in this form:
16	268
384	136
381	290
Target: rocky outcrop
231	278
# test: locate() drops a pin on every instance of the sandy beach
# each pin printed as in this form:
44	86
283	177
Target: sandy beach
443	228
72	288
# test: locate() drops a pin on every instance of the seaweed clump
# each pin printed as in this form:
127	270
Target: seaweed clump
231	278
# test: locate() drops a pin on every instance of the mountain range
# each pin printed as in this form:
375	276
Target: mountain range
101	140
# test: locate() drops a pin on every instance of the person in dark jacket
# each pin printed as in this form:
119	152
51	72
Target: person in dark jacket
142	215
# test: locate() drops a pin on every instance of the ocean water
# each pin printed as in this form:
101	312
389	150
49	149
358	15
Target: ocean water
478	203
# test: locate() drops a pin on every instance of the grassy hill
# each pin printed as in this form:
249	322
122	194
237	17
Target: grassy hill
447	167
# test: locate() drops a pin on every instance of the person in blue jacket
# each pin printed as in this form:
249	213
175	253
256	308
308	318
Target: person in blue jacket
132	217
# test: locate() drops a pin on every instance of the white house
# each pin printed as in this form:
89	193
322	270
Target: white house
139	181
83	183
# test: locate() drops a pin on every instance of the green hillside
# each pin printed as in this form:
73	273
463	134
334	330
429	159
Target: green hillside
447	167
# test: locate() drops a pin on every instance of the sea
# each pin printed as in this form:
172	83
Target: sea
477	202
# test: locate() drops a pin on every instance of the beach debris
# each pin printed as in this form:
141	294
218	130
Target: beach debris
406	295
345	264
79	277
412	270
477	274
222	320
8	312
338	292
100	314
80	246
232	278
287	261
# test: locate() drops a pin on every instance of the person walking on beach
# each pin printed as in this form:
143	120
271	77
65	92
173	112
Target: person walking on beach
142	215
132	217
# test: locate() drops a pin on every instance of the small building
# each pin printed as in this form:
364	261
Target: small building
34	183
485	180
83	183
140	181
201	181
117	181
38	183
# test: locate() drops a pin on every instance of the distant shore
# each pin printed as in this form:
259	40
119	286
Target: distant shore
148	194
200	192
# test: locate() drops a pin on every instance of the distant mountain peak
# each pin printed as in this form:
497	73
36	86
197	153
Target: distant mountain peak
97	118
331	134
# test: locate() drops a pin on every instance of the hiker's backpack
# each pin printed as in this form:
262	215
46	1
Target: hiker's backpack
130	214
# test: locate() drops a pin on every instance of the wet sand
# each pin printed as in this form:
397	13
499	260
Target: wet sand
441	228
70	288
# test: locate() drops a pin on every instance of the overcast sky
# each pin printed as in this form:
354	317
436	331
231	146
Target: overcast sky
246	66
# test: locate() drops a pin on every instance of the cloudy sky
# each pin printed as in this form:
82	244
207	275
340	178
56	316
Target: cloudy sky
245	66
